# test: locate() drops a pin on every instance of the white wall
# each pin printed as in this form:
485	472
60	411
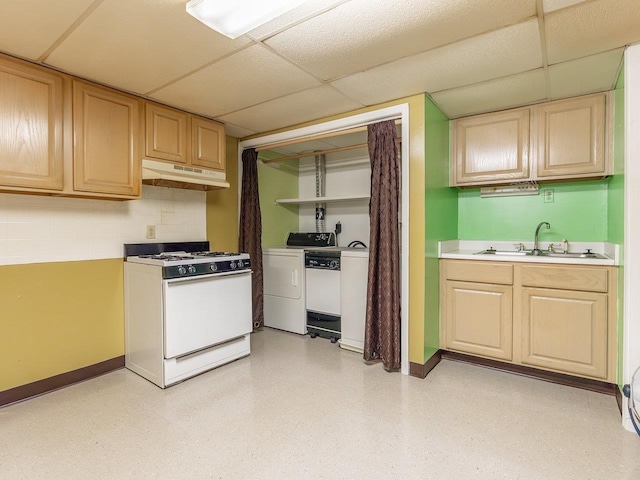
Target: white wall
631	340
35	229
347	174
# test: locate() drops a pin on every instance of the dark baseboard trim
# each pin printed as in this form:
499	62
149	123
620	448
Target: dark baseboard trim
619	399
58	381
553	377
421	371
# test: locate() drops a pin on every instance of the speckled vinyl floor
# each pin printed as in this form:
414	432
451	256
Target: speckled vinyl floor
304	409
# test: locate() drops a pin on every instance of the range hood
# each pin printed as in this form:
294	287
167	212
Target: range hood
181	176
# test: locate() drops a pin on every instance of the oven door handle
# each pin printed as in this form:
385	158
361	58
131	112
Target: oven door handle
294	277
196	278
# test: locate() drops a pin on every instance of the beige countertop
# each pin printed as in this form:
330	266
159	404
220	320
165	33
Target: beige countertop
467	250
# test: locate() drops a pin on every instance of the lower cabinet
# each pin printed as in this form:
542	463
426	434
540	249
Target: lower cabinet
560	318
479	319
565	331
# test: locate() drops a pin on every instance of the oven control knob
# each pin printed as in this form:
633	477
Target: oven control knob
182	270
213	267
333	264
240	264
191	269
233	265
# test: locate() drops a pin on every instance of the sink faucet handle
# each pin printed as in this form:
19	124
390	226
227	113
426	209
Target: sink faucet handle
552	248
519	246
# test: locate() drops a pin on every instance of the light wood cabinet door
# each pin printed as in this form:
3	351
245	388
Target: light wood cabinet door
571	137
31	143
478	319
491	148
106	141
166	133
565	331
208	144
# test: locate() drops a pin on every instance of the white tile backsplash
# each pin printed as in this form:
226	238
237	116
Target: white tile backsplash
36	229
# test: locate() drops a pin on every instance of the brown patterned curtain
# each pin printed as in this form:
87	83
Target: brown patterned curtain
382	327
251	229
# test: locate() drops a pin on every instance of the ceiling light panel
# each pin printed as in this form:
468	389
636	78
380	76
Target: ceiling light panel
236	18
250	76
595	73
495	54
591	27
500	94
362	34
29	27
293	109
141	45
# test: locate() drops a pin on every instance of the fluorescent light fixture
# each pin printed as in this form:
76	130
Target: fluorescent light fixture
528	188
233	18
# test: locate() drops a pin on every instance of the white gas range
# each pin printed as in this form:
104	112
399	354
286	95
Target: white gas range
187	310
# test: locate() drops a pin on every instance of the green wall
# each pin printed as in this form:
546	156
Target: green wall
579	213
616	203
277	181
441	213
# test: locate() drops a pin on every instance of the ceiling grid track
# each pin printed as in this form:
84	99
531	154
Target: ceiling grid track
86	14
543	47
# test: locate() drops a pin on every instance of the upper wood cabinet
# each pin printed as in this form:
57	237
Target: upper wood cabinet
492	148
31	130
179	137
556	140
208	143
571	137
106	138
166	133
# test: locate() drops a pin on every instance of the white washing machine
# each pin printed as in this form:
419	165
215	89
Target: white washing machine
284	289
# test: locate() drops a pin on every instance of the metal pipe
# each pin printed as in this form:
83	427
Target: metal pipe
321	173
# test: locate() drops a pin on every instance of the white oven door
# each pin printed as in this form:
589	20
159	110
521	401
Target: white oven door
204	311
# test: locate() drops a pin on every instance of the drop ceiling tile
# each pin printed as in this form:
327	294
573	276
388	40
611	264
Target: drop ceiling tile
293	109
237	131
495	54
361	34
521	89
553	5
302	12
141	45
591	27
253	75
595	73
29	27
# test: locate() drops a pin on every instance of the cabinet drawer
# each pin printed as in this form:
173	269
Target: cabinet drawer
566	278
481	272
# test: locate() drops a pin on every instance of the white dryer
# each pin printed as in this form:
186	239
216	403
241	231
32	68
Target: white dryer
284	289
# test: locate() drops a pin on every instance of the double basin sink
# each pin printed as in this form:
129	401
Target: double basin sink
541	253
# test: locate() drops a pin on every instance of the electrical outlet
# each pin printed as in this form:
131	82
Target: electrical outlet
548	196
151	231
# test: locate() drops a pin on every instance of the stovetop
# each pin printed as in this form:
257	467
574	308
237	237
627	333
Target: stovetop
191	260
184	258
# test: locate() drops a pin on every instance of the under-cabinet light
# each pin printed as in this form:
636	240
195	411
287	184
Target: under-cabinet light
237	17
510	190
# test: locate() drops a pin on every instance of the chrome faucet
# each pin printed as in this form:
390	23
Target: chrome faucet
536	250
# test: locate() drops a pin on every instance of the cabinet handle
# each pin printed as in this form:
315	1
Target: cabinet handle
294	277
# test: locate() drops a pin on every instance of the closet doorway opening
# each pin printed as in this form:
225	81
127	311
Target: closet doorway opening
341	139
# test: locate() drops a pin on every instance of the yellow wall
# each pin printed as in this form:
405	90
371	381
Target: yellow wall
222	206
58	317
416	215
